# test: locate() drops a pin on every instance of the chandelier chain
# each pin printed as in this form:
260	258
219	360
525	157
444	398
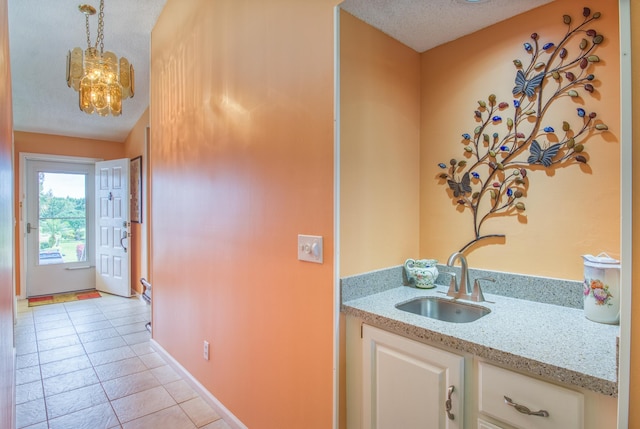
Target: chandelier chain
88	32
100	38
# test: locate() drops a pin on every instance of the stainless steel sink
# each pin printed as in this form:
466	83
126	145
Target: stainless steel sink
444	309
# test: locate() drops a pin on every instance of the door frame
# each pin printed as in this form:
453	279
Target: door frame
626	212
22	202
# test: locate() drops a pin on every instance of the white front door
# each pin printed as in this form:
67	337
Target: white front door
59	227
112	227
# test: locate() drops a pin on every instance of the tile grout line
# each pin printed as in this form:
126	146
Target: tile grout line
121	330
44	397
101	382
120	423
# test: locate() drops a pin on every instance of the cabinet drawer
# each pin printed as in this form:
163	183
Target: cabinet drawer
565	407
486	425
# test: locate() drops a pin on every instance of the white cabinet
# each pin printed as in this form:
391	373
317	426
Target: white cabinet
407	384
534	404
398	383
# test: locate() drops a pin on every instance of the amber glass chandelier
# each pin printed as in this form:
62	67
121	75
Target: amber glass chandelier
101	80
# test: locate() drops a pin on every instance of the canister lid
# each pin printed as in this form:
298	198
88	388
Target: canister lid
601	261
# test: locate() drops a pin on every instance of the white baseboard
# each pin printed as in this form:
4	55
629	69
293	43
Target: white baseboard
227	415
13	388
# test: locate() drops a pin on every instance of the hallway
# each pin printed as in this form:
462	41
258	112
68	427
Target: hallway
89	364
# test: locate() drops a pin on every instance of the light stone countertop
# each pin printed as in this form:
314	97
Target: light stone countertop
554	342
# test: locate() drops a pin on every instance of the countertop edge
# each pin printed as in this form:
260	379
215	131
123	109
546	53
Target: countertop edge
509	360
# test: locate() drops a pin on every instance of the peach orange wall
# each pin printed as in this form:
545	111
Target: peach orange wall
56	145
570	212
7	367
379	148
134	144
62	145
241	163
133	147
634	382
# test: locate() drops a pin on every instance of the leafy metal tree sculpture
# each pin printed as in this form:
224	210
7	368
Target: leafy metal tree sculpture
492	179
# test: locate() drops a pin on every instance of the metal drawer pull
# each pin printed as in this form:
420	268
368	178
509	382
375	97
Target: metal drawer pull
447	404
524	410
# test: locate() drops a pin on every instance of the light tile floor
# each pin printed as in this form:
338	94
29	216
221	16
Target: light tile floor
88	364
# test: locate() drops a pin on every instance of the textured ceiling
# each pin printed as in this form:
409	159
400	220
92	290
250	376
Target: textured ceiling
42	31
40	34
424	24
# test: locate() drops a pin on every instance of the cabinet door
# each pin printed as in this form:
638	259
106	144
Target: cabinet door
406	384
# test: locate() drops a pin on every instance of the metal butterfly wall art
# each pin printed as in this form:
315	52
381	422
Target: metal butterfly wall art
493	178
542	156
528	87
462	187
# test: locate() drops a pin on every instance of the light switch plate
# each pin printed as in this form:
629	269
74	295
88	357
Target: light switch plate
310	248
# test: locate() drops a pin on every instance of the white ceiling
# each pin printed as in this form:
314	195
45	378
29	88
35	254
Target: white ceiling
42	31
424	24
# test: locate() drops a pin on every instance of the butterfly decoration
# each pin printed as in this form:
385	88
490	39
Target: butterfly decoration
528	87
542	156
460	188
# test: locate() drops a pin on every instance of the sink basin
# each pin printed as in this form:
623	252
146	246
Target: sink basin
444	309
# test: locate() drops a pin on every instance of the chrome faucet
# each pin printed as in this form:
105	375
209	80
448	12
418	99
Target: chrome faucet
456	289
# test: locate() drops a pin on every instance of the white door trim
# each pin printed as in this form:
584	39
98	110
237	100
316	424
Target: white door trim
626	212
337	299
22	191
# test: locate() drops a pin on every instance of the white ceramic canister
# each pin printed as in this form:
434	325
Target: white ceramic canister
602	288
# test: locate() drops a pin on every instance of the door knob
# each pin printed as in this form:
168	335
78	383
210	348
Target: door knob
122	238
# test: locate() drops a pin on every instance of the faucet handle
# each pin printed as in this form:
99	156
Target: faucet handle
477	294
453	286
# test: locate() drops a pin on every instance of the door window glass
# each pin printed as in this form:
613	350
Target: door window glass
62	218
